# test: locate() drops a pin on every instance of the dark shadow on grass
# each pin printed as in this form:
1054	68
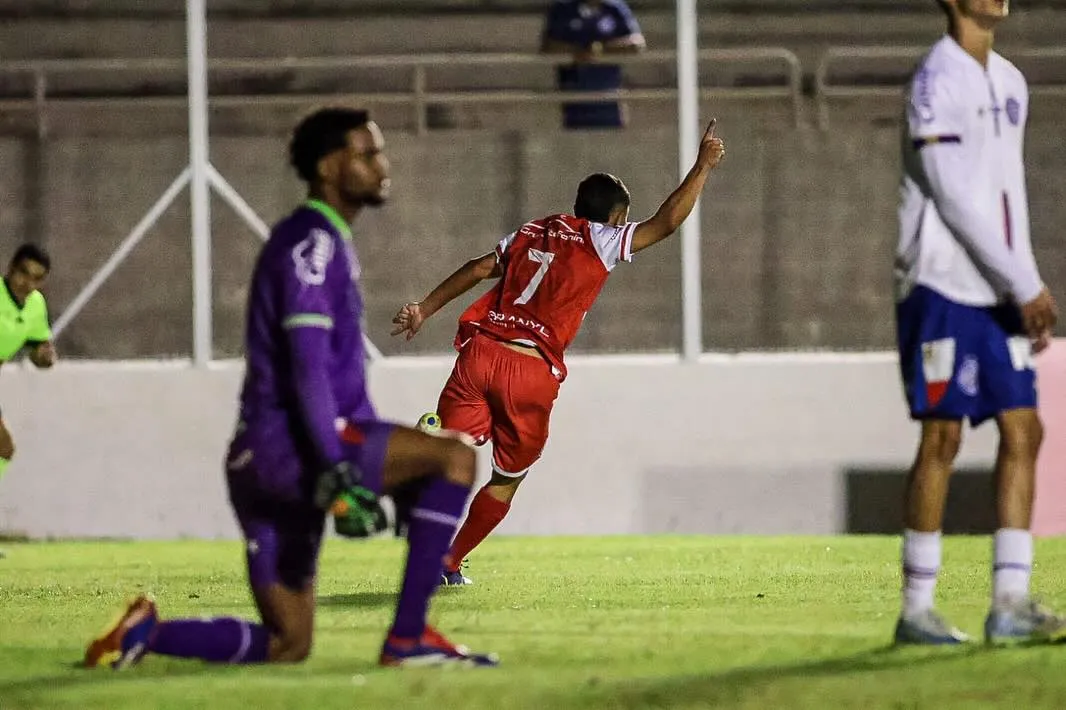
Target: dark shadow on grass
705	688
73	675
360	600
712	687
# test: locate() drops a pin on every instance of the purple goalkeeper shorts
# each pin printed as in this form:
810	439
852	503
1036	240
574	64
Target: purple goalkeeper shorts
272	497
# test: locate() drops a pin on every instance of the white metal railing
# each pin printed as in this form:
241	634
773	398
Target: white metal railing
417	95
201	176
825	90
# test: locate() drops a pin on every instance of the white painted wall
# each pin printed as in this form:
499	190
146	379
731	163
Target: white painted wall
751	443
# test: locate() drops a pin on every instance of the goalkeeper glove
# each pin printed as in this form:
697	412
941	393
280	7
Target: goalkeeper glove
334	481
357	512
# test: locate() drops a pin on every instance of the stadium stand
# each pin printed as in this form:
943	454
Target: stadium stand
798	232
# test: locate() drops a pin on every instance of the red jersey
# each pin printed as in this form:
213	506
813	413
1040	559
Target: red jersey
553	270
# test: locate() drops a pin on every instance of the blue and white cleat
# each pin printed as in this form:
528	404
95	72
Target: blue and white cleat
1023	621
449	578
927	628
125	642
454	579
432	650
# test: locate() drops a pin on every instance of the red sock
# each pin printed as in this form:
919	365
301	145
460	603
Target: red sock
485	514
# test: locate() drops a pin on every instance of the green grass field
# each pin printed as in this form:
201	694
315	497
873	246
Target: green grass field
621	622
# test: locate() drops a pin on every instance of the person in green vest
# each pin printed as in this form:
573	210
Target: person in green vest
24	322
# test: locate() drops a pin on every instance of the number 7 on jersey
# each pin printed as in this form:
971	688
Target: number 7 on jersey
544	258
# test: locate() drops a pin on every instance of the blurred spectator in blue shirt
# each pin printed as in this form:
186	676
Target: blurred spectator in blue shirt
589	29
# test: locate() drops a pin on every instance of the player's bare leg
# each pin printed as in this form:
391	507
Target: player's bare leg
7	448
444	469
7	451
927	482
489	507
1020	435
289	615
925	497
1014	616
503	488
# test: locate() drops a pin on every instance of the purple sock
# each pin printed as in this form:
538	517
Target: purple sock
221	640
434	519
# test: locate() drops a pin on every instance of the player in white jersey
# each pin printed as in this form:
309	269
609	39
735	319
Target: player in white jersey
971	311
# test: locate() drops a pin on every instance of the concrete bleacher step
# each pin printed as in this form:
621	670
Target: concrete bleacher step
808	34
276	116
100	83
384	34
245	34
1041	66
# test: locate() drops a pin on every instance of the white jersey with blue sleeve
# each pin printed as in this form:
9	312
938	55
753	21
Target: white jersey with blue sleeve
964	213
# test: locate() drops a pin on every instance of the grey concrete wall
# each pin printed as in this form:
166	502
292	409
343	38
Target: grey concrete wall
799	225
734	445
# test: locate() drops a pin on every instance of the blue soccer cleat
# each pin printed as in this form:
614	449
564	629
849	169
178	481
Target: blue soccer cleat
454	579
449	578
927	629
1023	621
125	642
432	650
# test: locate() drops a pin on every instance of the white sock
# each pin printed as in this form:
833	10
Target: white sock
921	563
1012	562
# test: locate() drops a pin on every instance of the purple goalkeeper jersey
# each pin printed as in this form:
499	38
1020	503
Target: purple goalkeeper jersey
304	351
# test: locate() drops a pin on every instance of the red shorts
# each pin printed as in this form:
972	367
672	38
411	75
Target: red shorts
497	393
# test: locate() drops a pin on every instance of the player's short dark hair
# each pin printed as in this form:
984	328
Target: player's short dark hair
32	252
945	7
321	133
598	195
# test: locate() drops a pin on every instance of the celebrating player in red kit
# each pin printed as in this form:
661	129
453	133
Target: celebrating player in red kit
511	340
